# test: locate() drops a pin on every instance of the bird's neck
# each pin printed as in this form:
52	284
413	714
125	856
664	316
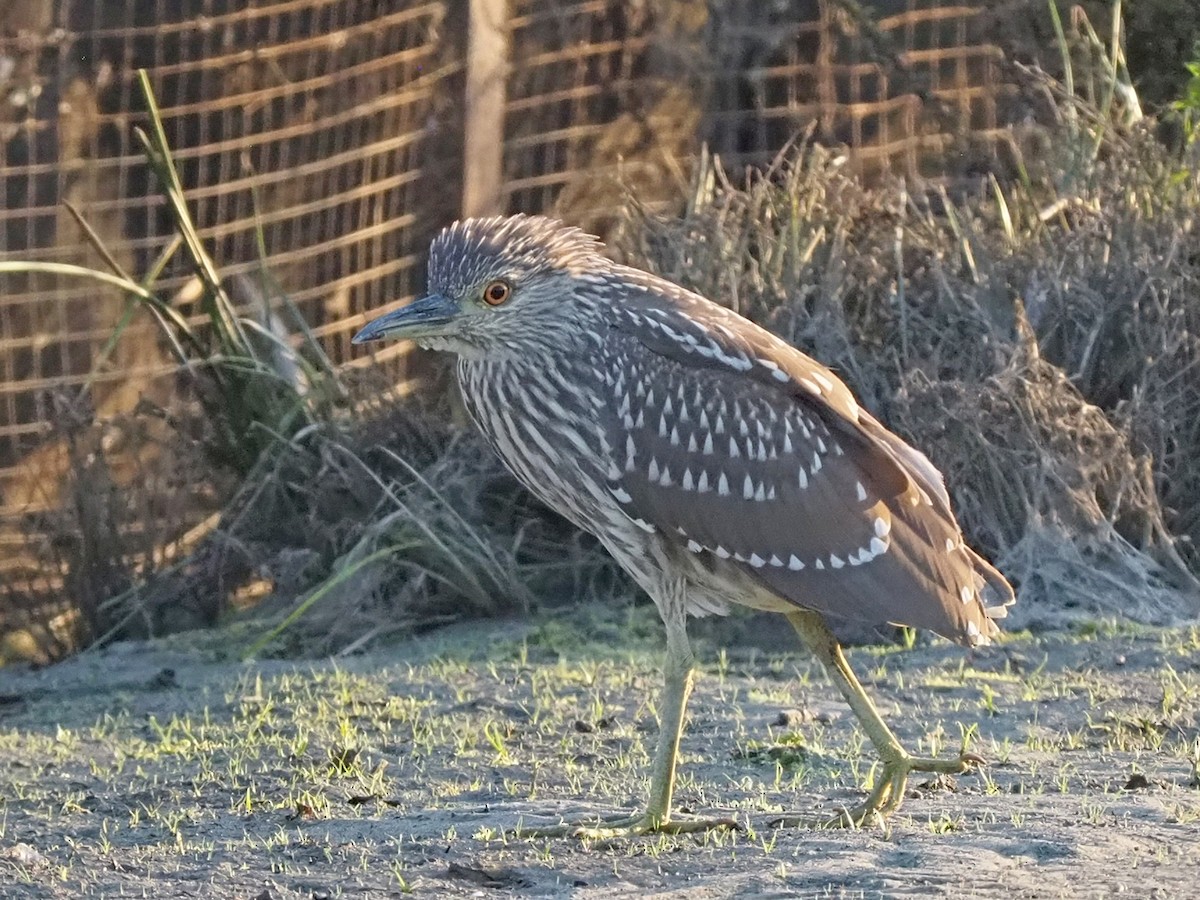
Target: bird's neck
544	369
509	364
551	342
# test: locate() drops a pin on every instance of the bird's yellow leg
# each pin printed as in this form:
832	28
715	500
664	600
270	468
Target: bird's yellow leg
678	673
897	763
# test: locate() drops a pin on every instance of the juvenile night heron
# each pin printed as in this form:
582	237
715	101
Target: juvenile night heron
714	461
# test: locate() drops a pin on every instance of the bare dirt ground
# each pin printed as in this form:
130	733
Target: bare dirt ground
174	770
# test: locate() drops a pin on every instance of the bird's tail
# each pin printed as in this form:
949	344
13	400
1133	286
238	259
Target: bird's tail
995	593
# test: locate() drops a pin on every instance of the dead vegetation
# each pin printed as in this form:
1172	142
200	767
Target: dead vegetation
1040	339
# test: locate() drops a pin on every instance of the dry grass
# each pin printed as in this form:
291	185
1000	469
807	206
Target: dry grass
1035	341
399	524
1041	340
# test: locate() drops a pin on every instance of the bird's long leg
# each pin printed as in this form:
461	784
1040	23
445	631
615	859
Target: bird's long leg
678	672
897	763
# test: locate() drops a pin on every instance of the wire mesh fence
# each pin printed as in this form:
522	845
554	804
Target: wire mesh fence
913	88
312	137
326	140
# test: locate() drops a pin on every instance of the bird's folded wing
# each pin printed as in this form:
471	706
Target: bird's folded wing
740	446
747	470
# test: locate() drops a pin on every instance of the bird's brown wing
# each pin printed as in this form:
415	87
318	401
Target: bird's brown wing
735	444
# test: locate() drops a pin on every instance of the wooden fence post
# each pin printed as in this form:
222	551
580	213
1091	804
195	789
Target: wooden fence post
486	92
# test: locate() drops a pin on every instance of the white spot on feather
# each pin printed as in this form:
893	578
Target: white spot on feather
820	378
882	527
723	486
794	563
702	483
748	488
757	561
693	546
966	594
739	362
835	561
687	482
621	494
652	470
878	546
860	491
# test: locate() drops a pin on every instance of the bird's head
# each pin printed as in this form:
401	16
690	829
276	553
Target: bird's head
496	284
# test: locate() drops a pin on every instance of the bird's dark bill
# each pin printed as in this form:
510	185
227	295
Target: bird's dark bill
426	316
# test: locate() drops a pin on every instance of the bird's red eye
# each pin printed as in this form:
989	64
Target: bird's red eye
496	293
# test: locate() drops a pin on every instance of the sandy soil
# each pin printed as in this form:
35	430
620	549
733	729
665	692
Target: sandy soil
170	770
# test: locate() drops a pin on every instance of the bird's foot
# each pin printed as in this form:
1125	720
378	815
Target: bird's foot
628	826
888	793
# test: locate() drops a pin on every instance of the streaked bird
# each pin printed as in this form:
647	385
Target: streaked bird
717	463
